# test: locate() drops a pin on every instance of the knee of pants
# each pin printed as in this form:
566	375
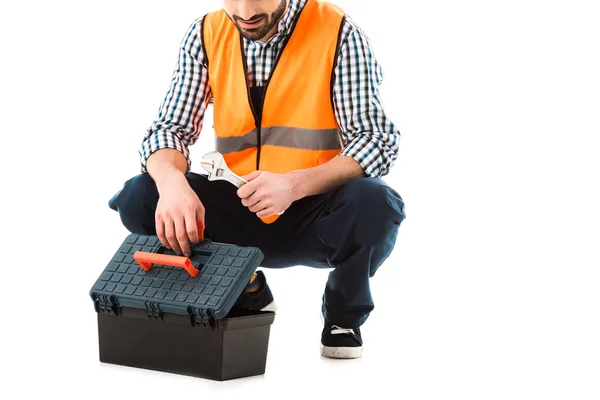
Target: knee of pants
378	210
136	204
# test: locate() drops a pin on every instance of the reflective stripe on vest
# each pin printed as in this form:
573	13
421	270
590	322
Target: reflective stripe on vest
296	138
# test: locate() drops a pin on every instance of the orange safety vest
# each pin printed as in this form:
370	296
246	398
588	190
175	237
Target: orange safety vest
297	128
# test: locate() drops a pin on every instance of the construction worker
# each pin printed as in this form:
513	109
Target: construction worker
297	113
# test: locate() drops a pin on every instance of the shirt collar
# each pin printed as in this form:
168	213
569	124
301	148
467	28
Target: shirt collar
290	16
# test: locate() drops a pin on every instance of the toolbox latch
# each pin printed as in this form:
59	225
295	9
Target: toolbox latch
153	310
203	317
106	304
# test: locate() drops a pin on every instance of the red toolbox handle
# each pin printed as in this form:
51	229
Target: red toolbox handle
146	260
200	226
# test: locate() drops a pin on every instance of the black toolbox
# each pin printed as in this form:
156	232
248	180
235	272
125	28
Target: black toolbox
176	314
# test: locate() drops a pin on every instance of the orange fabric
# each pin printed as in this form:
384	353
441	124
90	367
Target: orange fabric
298	93
244	161
301	83
271	158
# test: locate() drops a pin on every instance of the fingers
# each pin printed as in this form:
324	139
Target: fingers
246	190
257	203
183	240
171	236
251	176
174	235
260	206
267	212
257	195
192	228
175	230
160	231
252	200
249	188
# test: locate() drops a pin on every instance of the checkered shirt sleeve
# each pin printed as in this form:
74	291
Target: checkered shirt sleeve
181	113
368	134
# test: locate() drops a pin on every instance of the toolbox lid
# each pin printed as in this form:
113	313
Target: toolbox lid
144	274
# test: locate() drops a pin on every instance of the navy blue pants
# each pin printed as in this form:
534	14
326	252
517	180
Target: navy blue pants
352	230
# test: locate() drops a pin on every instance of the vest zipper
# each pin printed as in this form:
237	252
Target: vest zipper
258	118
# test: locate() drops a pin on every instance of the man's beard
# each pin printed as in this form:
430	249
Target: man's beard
268	24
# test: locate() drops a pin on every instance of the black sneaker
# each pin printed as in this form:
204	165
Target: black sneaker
257	295
338	342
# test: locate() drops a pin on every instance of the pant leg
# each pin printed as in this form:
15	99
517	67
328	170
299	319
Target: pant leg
354	234
136	204
352	230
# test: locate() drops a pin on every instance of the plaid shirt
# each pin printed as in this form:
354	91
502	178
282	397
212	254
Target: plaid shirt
368	135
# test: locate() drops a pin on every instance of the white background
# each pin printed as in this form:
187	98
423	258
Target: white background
493	289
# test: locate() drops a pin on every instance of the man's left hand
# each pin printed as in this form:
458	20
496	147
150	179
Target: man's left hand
266	193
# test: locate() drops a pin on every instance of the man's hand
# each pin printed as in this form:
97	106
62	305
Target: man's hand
266	193
177	211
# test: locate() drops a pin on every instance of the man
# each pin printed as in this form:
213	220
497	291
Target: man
297	114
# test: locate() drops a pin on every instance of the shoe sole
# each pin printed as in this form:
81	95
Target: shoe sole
339	352
271	307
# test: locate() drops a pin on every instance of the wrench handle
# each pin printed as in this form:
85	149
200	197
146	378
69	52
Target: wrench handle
236	180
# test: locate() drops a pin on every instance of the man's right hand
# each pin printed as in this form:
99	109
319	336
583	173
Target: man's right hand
177	211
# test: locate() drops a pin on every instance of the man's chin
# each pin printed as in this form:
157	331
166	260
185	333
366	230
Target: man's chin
250	34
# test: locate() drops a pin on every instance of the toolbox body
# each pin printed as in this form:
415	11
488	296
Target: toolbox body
160	317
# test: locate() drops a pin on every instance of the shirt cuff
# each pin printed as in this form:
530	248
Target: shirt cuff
373	160
162	140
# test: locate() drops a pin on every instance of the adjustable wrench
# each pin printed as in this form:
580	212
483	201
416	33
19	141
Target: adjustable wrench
217	169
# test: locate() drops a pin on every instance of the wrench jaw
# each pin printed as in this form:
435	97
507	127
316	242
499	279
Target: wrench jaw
217	169
209	167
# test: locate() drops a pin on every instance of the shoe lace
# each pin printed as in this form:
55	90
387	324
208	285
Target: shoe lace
336	330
